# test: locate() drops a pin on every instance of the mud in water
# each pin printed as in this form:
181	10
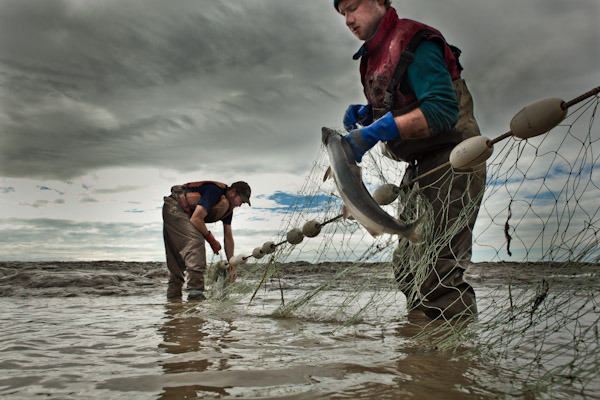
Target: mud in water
94	330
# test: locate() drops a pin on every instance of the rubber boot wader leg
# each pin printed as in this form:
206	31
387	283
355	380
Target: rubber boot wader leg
174	287
404	277
444	291
185	248
447	295
400	258
176	268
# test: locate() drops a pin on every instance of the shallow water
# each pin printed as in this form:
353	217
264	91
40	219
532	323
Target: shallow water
72	343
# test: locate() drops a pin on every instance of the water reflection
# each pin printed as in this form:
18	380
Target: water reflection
429	371
184	336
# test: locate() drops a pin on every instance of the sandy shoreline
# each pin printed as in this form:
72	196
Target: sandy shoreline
76	278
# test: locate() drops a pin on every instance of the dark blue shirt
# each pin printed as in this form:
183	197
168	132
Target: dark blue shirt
211	195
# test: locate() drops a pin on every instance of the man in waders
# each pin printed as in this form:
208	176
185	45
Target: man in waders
420	108
185	214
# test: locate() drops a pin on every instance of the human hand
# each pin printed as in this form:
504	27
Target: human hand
232	274
357	114
363	139
214	243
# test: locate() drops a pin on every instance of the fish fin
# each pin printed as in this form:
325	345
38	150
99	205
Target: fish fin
417	232
415	237
328	174
372	232
345	213
414	233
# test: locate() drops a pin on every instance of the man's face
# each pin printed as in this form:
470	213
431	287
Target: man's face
362	16
234	198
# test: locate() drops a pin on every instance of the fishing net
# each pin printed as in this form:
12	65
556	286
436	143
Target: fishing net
535	252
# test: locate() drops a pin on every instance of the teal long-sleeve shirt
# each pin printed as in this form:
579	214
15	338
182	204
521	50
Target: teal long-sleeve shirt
430	80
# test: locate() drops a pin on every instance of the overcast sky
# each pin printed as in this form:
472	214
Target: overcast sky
105	104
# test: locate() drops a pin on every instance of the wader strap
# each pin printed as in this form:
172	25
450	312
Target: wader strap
456	51
410	173
187	208
407	57
185	190
230	210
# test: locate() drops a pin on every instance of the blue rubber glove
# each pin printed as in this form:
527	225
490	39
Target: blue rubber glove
361	140
357	114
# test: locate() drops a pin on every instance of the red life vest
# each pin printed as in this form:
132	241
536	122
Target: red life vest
377	69
189	200
383	54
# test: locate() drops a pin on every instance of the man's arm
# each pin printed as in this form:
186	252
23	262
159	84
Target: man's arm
412	125
429	78
228	240
197	220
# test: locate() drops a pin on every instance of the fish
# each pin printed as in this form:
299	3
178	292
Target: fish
358	202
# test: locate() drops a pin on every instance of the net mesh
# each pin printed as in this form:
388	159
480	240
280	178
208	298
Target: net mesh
535	253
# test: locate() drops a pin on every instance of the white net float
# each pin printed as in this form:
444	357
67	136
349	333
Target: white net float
312	228
538	118
470	152
237	260
223	264
268	247
386	194
295	236
258	253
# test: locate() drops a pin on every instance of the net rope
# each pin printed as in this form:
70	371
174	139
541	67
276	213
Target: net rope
535	245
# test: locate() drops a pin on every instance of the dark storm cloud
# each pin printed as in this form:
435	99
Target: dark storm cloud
102	46
87	85
190	85
516	52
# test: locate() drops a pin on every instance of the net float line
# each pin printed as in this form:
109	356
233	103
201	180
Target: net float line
295	236
533	120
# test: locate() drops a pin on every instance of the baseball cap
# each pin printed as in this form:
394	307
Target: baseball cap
243	189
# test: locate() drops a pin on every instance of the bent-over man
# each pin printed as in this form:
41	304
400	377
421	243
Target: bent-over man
185	214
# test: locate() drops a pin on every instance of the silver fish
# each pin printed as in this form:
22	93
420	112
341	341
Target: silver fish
357	200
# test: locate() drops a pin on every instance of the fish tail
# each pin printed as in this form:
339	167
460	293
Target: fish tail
412	232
